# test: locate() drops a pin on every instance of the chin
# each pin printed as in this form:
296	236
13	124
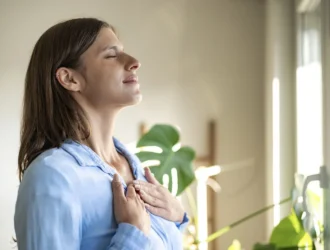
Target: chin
135	100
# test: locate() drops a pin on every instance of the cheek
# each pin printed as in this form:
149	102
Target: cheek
103	88
104	83
104	78
109	76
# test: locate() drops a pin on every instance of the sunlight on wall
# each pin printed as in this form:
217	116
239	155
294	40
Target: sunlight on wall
276	149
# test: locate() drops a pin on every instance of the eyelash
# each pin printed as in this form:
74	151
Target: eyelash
110	57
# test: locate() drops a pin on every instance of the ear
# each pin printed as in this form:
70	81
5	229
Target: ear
68	79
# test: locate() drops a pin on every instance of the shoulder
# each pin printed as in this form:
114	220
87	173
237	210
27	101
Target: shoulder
52	171
47	205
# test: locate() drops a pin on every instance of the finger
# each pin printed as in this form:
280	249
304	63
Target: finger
156	210
130	192
150	177
117	189
149	188
141	202
151	199
139	199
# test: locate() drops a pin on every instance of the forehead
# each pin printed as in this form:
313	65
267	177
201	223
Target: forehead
105	38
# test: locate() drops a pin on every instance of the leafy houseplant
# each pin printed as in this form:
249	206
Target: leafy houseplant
288	234
165	138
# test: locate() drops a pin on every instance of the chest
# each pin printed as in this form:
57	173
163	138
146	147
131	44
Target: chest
124	169
99	221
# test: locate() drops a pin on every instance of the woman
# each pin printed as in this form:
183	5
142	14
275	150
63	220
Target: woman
80	187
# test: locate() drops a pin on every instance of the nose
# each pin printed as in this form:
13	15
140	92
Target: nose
133	64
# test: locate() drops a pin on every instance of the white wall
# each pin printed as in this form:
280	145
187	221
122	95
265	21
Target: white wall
200	60
240	70
280	127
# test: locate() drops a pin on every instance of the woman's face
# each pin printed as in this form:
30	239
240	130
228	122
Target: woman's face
107	76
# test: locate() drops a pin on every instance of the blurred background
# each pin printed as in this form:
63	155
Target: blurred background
244	81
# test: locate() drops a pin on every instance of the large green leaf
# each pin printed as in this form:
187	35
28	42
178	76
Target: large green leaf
165	137
259	246
290	233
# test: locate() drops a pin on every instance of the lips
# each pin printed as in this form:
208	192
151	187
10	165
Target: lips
131	79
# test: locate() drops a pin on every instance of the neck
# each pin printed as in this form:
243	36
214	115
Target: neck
101	136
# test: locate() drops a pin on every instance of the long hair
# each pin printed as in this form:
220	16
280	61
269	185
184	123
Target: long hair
50	114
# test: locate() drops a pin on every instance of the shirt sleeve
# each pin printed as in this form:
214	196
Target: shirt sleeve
182	226
129	237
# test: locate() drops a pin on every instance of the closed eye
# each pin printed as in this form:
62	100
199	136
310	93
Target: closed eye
110	56
111	51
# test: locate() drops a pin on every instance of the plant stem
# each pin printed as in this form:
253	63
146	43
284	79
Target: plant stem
236	223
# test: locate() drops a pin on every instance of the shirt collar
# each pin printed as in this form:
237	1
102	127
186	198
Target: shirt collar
86	157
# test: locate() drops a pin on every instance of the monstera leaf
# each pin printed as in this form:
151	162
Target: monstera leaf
164	137
260	246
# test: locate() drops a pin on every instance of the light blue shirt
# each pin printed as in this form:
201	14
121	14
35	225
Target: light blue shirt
65	202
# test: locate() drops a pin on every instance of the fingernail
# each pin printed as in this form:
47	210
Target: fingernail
135	182
116	177
142	193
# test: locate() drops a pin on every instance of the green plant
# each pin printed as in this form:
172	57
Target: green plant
288	234
236	245
165	137
240	221
260	246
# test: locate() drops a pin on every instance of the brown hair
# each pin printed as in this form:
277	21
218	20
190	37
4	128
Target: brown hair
50	114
